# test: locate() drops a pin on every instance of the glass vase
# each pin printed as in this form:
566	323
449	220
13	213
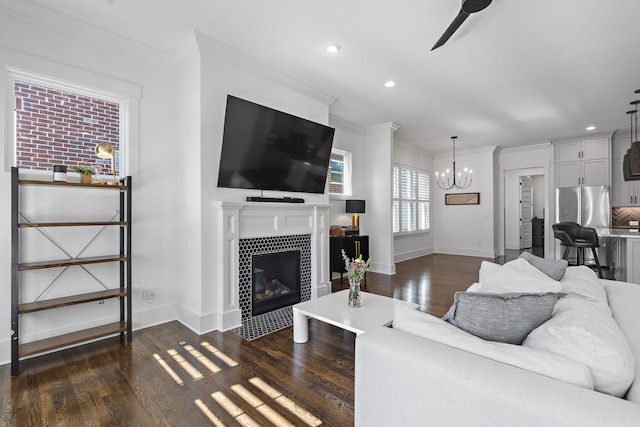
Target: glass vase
355	299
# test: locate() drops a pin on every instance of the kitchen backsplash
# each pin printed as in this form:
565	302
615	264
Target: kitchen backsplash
620	217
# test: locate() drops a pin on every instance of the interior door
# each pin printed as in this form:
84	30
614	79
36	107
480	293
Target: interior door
526	237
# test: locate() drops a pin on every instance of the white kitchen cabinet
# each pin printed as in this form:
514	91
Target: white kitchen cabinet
587	172
624	193
583	162
582	150
633	260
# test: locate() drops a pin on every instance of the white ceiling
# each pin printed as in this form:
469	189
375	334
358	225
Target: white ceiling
518	73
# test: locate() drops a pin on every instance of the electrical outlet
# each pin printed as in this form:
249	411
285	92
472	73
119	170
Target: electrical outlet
148	294
101	302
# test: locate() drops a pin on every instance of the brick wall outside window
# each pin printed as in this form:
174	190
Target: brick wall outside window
60	128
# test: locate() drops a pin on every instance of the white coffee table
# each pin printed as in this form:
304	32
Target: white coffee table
376	310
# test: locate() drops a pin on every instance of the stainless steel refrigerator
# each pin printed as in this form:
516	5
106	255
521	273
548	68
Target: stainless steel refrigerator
589	206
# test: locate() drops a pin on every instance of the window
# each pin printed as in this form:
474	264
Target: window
410	200
340	173
61	124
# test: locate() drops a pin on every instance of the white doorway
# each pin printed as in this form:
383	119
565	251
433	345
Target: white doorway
524	211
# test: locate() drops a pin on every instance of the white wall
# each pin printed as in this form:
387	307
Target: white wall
379	158
350	137
415	245
156	181
467	229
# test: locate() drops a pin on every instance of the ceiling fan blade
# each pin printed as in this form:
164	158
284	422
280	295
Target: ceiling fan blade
462	16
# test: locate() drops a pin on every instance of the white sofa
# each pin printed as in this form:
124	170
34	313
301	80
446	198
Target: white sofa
402	379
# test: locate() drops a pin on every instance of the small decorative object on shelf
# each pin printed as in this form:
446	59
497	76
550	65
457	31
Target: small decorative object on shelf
59	173
85	173
356	269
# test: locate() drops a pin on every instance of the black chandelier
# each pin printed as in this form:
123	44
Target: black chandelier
447	183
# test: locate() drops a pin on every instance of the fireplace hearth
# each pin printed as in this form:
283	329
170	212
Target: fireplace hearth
276	281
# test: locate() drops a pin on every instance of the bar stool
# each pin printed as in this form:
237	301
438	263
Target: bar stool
573	235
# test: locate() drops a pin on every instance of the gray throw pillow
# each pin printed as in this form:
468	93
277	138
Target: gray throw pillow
504	318
553	268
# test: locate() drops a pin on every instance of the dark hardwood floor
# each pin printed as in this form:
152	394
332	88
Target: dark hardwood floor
170	376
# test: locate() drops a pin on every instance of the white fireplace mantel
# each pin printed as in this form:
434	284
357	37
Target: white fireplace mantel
246	220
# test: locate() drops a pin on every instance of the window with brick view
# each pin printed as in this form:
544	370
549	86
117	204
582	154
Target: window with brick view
339	172
55	127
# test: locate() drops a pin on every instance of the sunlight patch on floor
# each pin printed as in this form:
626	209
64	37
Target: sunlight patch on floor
188	367
206	362
220	355
288	404
272	405
253	400
207	412
168	369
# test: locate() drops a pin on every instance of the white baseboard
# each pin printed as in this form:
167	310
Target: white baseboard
482	253
389	269
153	316
204	323
412	254
226	321
321	289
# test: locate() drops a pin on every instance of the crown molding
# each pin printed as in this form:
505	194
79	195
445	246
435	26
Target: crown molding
341	123
389	126
489	148
542	146
54	21
236	58
584	137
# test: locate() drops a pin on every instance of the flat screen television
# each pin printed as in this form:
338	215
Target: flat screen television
266	149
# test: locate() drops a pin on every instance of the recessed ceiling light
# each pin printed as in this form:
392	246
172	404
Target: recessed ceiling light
390	83
332	48
591	128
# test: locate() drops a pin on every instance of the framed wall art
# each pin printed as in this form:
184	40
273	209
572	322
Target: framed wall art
462	199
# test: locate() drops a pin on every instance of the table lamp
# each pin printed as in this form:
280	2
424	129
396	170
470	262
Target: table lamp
355	207
104	150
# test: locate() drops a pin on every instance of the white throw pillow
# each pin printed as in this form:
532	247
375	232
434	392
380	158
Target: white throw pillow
584	282
487	269
424	325
584	331
517	276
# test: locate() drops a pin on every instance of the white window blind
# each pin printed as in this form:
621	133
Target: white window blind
411	197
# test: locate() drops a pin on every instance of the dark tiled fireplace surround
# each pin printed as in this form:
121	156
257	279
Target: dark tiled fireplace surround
269	245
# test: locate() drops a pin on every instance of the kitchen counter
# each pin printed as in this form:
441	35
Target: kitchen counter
622	233
620	251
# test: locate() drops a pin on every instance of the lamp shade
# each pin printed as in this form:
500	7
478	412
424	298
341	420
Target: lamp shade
104	150
355	206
